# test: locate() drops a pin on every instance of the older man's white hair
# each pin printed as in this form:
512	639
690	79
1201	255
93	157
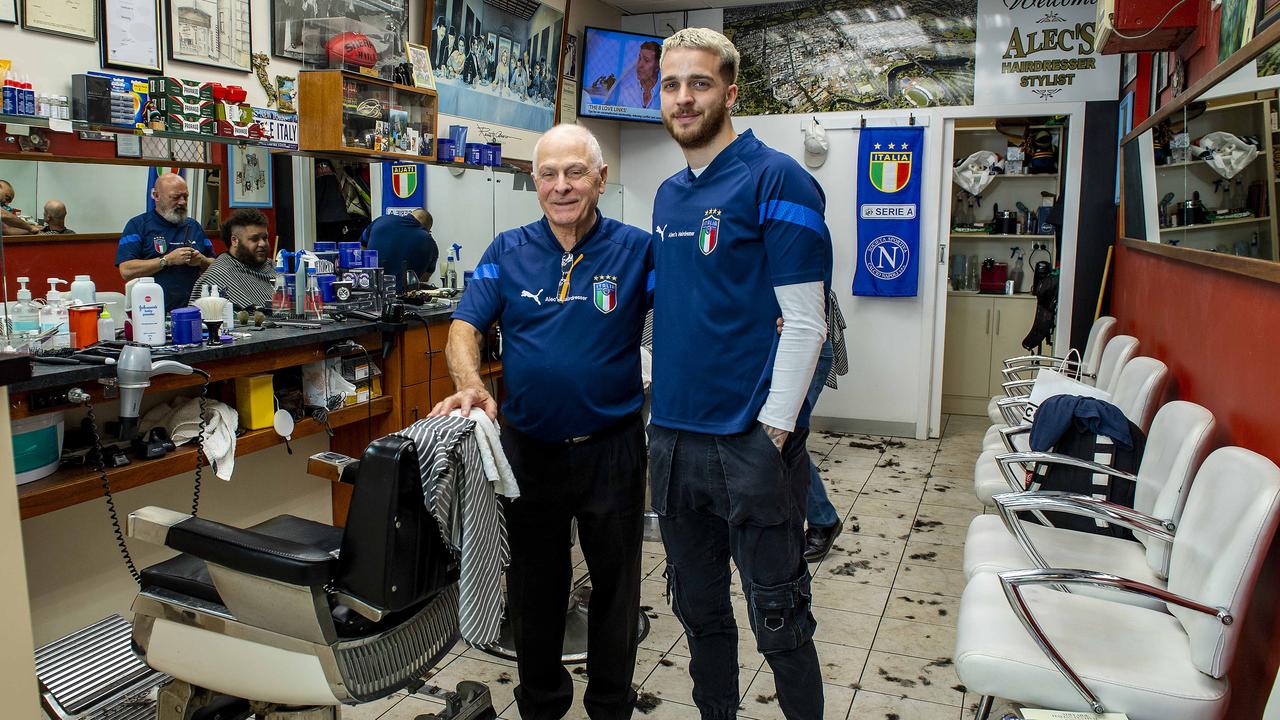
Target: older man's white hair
593	145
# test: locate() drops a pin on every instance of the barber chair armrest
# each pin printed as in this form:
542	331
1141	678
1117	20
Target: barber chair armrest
241	550
1012	581
1009	433
1038	502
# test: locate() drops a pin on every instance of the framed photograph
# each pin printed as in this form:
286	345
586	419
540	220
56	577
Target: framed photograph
131	35
1238	21
516	82
9	12
211	32
1162	71
249	169
286	94
300	28
69	18
420	57
570	57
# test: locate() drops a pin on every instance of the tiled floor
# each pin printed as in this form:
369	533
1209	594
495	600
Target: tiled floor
886	598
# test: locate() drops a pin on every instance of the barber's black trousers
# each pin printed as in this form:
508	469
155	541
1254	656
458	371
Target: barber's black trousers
722	496
600	482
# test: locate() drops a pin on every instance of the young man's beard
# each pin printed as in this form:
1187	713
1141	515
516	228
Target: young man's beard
701	134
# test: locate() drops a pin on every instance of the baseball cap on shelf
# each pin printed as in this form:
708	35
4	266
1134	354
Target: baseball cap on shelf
815	145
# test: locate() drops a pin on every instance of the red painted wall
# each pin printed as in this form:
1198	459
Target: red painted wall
1218	333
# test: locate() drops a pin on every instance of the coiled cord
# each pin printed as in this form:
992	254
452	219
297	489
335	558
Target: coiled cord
100	464
201	457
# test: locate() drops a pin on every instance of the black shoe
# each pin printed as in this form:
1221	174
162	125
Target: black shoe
818	541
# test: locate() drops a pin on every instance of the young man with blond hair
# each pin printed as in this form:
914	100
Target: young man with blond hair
739	239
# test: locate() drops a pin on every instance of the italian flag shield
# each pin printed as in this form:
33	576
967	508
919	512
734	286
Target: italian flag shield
404	180
890	171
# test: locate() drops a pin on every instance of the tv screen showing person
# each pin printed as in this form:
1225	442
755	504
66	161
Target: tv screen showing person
620	78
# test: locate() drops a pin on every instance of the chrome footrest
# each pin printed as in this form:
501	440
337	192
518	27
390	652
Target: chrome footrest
94	674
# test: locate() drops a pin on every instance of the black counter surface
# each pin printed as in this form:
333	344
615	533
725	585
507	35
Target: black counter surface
264	341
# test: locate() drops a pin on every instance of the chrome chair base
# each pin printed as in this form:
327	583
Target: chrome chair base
574	650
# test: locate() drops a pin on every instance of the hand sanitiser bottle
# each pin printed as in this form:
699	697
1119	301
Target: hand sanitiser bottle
54	315
26	315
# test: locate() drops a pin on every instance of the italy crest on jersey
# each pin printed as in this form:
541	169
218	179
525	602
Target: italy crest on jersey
404	180
890	171
710	232
606	293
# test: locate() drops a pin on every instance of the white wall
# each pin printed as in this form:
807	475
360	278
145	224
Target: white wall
894	344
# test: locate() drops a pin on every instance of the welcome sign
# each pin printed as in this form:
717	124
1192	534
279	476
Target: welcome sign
1036	51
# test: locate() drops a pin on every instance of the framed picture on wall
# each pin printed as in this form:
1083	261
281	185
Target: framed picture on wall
570	57
1162	71
131	35
211	32
74	18
9	12
1128	68
420	57
249	169
517	84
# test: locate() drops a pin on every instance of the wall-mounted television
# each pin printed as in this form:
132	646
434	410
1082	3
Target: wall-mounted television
620	78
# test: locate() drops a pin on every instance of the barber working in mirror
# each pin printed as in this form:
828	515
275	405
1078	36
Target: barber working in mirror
13	225
165	243
571	291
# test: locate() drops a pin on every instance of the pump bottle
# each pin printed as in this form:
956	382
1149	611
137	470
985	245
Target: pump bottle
54	315
26	315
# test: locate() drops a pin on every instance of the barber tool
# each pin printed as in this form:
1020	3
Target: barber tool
211	312
134	371
292	324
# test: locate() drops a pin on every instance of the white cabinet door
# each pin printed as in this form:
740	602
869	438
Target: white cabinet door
1013	318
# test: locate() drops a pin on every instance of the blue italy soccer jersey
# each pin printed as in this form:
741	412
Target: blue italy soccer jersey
149	236
750	222
571	324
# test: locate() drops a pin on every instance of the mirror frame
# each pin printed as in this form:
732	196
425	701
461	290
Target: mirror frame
1260	269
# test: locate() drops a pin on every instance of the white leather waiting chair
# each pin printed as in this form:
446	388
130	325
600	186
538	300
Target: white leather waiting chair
1139	392
1181	436
1020	638
1118	352
1085	369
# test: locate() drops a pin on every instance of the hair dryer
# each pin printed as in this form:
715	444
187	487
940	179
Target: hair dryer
134	370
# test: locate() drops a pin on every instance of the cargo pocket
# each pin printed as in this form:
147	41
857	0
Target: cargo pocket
756	478
662	446
780	615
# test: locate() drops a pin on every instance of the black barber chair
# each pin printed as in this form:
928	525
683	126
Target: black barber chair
296	617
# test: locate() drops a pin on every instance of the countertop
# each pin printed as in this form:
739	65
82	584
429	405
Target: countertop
263	341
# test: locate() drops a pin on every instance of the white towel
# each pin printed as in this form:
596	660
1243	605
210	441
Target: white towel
496	467
181	418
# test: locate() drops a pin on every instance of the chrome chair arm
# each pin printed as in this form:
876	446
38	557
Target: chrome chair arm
1040	501
1007	461
1012	581
1012	409
1007	434
1017	388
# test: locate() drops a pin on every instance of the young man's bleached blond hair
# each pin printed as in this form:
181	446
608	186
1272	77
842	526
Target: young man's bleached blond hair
707	39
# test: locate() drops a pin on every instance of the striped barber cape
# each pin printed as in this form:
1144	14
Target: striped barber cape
467	509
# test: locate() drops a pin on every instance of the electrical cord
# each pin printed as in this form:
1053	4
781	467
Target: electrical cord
1153	27
492	384
204	422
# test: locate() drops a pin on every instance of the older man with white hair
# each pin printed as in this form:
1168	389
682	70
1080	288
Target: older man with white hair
571	291
165	243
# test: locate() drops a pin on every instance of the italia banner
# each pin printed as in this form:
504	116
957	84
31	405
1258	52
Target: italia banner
403	188
889	164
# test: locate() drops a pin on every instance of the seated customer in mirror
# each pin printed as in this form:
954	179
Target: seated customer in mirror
55	219
404	242
9	216
165	243
244	273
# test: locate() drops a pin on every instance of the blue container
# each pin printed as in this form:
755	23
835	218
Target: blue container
445	150
458	134
187	326
369	258
497	154
350	255
322	246
487	155
326	287
475	153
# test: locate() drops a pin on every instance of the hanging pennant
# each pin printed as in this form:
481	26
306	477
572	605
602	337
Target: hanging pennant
890	162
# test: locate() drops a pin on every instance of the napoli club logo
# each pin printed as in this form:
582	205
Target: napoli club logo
710	232
887	257
606	293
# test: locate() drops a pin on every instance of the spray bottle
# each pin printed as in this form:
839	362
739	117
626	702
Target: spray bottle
1016	272
455	254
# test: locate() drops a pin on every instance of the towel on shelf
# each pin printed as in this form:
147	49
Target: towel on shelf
181	419
496	467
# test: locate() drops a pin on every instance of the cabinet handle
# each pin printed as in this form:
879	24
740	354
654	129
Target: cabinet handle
988	321
997	322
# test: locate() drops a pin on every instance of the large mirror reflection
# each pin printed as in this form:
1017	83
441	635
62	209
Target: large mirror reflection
90	198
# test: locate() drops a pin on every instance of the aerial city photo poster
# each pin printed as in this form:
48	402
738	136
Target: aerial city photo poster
800	57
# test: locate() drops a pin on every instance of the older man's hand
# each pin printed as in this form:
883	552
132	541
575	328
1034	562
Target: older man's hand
465	399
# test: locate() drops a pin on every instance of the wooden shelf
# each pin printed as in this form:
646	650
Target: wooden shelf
1214	225
1030	176
1202	163
73	485
987	236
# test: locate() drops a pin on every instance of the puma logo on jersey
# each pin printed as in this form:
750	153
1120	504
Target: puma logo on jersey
662	231
532	296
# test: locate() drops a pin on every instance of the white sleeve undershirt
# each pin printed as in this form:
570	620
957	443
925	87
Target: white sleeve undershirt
804	330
